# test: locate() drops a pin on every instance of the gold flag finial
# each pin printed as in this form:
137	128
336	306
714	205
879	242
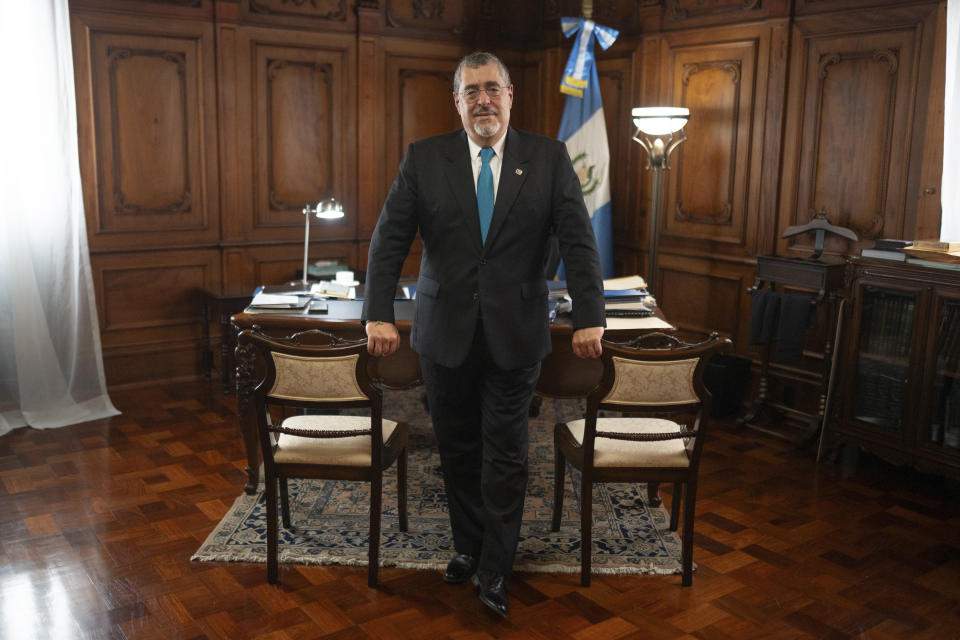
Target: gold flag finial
587	9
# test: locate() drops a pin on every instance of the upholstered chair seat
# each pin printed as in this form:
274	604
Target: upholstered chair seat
624	453
350	451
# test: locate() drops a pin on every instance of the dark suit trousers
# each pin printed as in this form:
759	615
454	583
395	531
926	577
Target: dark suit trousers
479	414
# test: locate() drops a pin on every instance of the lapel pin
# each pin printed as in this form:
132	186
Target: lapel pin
519	172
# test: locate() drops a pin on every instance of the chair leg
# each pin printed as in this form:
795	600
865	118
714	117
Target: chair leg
373	554
675	505
270	482
284	503
653	494
690	499
559	467
586	525
402	488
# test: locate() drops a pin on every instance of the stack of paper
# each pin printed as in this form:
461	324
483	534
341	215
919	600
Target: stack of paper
332	289
627	282
278	301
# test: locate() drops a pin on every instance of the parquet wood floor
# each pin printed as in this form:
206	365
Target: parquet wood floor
99	521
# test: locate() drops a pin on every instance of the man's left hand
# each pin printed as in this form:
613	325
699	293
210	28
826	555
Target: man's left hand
586	342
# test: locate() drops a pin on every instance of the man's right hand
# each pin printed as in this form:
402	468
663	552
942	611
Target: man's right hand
382	338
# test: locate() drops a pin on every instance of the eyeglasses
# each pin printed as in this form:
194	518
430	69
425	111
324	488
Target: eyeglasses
493	92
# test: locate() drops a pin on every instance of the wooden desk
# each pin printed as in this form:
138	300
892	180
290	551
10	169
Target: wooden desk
562	375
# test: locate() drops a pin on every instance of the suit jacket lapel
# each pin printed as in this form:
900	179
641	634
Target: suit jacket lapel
460	176
513	173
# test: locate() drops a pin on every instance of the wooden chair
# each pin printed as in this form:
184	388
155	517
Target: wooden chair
322	376
661	378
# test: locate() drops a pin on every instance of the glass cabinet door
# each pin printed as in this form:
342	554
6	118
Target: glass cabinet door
886	328
945	409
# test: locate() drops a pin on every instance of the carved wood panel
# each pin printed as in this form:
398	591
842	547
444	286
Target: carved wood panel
851	113
296	163
147	365
170	8
686	13
149	308
424	102
295	115
150	297
147	132
713	184
335	15
448	16
419	103
699	298
808	7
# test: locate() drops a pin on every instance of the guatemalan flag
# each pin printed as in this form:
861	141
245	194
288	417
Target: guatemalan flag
584	131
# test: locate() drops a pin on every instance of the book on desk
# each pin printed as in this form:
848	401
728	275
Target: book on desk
626	300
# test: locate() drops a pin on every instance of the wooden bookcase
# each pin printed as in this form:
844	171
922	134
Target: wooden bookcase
901	365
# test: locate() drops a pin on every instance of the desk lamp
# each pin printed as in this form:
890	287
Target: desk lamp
659	132
328	209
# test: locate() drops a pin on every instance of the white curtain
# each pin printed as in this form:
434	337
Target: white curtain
51	369
950	188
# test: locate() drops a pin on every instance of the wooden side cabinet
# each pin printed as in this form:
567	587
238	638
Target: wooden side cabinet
900	393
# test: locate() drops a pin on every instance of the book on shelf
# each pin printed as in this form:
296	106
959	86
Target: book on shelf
891	244
936	245
884	254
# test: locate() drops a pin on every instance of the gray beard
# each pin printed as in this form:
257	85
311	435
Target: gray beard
486	131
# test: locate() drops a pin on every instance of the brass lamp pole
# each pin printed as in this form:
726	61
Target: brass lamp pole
659	132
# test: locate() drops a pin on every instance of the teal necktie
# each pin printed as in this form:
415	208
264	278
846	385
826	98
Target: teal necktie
485	192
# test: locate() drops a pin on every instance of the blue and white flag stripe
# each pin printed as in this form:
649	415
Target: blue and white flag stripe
584	130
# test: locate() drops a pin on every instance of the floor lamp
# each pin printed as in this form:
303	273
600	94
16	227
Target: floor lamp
659	132
326	210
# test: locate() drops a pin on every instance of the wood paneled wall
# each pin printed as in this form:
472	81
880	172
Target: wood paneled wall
206	125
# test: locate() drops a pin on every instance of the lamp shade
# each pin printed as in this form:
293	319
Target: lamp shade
660	121
329	209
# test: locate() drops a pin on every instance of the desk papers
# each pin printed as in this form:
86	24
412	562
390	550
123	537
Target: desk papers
278	301
652	322
627	282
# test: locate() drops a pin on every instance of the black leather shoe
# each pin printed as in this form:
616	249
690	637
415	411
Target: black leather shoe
493	592
461	568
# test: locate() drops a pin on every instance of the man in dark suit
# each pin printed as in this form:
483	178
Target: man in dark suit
485	201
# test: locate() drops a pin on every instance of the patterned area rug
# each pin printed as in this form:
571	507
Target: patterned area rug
330	519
